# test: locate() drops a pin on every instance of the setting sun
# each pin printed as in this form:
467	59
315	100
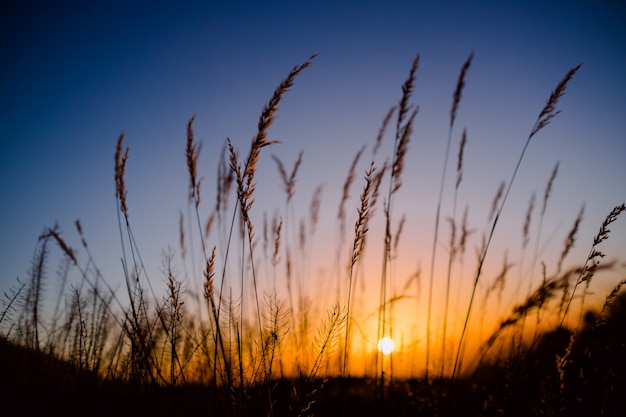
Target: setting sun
385	345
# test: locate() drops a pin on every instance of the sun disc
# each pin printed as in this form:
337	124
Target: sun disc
385	345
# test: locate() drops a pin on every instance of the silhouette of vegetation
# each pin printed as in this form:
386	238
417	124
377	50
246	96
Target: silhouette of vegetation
213	342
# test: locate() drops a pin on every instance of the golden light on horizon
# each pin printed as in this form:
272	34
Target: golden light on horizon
385	345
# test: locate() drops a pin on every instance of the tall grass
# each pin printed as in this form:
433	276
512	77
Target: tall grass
545	116
228	337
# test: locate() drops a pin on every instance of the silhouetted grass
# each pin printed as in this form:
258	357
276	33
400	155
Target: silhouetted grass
232	349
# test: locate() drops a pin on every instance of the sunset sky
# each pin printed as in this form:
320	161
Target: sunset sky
74	76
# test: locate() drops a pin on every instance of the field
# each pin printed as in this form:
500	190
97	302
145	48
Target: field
248	329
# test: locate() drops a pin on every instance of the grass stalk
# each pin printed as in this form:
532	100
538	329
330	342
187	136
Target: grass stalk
545	116
593	259
360	231
404	127
456	98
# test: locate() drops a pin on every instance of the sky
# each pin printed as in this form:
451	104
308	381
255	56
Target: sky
75	76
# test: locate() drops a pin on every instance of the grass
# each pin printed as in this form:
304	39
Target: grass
219	342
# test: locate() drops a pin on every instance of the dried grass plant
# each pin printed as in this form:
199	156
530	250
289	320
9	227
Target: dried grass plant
456	99
244	353
406	114
548	112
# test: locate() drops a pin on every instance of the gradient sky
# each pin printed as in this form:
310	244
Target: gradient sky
74	76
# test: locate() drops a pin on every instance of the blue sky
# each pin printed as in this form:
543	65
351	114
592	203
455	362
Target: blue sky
75	76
